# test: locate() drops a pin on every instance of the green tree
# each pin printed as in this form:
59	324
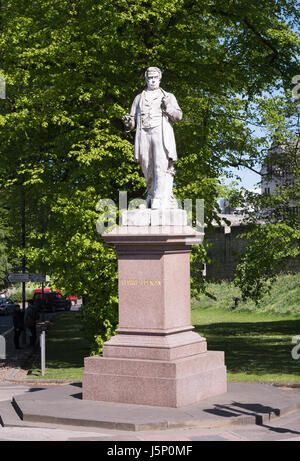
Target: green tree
5	261
274	234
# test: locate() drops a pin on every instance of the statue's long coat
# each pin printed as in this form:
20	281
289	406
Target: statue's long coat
173	113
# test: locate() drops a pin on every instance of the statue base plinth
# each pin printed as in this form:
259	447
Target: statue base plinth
155	359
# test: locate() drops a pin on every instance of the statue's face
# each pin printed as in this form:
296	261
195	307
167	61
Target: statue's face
153	80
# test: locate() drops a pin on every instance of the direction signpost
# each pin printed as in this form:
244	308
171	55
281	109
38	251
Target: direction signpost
38	278
18	278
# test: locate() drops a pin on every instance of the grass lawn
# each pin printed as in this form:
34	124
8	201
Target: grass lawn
257	341
284	297
257	346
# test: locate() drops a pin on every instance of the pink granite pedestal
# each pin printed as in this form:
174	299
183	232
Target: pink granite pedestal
155	358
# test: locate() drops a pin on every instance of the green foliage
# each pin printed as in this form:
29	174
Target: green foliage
274	241
100	320
72	70
267	253
16	293
281	299
5	262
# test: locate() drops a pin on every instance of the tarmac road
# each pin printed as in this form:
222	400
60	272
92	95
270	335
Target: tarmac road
285	428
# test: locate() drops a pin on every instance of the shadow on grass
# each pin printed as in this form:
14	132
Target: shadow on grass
255	347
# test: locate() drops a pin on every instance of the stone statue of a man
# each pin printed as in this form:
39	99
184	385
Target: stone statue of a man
152	114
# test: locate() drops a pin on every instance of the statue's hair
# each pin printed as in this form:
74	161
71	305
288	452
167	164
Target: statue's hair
153	69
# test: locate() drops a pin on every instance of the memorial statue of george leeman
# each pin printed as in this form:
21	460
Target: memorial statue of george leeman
152	114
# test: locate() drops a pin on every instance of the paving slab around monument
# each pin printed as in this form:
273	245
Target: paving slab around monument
244	403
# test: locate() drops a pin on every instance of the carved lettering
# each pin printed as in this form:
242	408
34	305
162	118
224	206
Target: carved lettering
136	282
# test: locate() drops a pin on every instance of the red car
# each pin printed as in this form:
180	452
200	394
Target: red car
73	299
53	301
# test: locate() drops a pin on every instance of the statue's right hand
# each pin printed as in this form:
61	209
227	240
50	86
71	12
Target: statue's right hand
128	121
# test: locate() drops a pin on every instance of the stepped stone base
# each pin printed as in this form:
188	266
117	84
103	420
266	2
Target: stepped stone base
155	347
168	383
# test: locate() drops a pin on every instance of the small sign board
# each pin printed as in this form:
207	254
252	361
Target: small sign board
18	277
37	278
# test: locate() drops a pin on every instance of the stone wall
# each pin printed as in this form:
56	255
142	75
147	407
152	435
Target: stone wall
225	249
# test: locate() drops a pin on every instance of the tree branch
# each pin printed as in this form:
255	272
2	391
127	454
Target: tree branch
241	164
261	37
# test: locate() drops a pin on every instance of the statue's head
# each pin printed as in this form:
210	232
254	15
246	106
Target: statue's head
153	77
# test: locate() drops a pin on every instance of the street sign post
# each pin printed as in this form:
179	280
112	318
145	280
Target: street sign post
21	277
37	278
18	278
43	351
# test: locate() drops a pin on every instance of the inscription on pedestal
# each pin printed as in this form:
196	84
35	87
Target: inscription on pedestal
139	283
